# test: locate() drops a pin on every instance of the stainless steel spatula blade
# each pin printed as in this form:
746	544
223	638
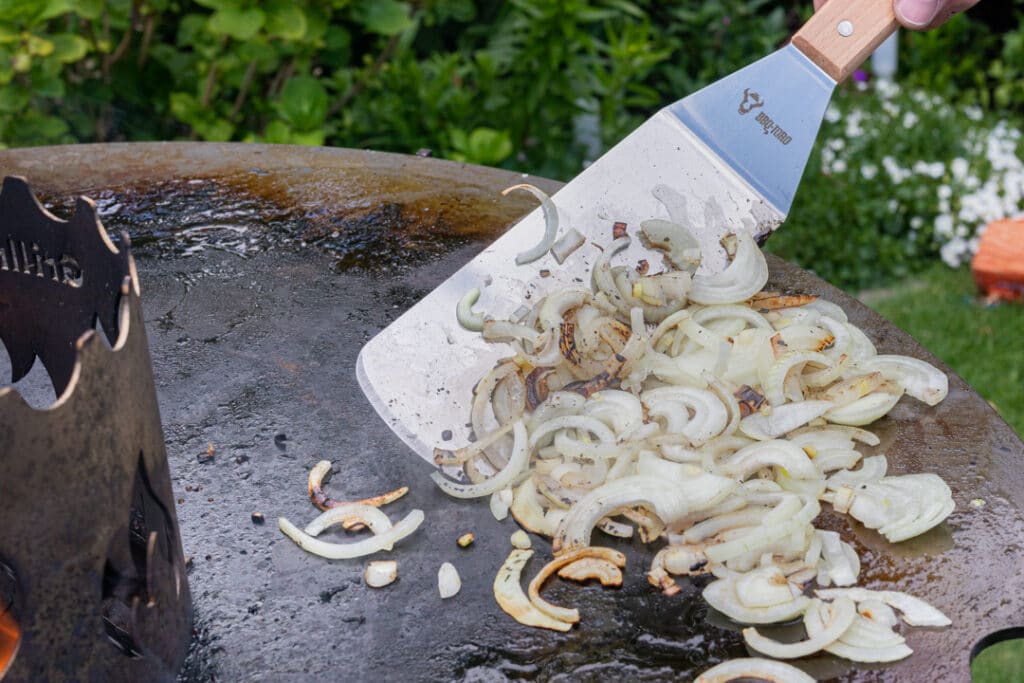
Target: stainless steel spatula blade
726	158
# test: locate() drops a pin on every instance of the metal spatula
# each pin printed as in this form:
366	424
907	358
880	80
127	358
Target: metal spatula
729	156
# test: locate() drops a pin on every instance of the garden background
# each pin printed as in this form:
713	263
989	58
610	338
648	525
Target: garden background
904	176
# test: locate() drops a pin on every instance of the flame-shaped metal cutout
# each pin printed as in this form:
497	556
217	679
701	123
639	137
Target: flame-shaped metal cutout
89	533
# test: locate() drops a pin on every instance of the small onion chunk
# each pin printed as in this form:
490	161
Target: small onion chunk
448	581
380	573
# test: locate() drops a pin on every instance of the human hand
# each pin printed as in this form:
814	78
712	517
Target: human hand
920	15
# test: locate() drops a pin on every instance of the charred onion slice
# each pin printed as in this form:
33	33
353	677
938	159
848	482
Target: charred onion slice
550	223
319	475
587	568
510	596
755	668
841	617
340	551
562	613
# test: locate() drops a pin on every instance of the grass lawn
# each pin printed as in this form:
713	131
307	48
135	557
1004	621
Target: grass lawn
985	346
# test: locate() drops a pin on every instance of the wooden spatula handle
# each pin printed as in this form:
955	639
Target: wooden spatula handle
841	35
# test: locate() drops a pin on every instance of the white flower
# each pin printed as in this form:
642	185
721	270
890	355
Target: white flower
893	206
944	226
827	156
960	167
832	114
910	119
945	192
973	113
952	252
836	143
869	171
839	166
886	89
916	222
891	109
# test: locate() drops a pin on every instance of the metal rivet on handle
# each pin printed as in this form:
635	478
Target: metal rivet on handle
845	28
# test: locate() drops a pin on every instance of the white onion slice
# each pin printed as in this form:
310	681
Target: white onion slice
915	611
754	668
783	419
921	380
369	515
864	410
474	322
340	551
516	463
843	614
550	223
572	240
500	503
721	595
741	279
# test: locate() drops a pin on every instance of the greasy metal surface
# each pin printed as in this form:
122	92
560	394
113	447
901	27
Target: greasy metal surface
93	576
254	353
661	170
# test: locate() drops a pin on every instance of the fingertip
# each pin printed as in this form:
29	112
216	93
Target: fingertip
916	14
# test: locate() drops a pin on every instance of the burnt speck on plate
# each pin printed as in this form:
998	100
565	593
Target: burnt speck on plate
281	441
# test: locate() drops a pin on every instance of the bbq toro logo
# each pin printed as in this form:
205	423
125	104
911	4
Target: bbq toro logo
753	100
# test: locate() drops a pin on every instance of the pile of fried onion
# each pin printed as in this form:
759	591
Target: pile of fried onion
711	419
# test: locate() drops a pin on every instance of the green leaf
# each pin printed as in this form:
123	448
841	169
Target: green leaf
242	24
217	130
277	132
51	127
51	86
55	8
314	138
488	146
68	47
386	17
184	106
87	9
303	103
13	100
285	20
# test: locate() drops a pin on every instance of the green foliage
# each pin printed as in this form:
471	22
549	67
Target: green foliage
533	85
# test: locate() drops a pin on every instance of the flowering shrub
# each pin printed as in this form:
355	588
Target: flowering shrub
899	176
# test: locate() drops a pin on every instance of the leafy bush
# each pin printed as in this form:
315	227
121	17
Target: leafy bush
898	176
533	85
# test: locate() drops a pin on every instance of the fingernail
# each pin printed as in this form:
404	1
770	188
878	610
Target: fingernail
917	13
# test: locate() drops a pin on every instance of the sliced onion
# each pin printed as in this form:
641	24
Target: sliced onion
721	595
863	641
587	568
474	322
572	240
339	551
783	419
740	280
503	479
562	613
550	223
348	513
754	668
864	410
510	596
921	380
915	611
681	248
500	503
843	614
520	540
669	500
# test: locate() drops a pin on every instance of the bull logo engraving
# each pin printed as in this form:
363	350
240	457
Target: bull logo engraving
751	101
